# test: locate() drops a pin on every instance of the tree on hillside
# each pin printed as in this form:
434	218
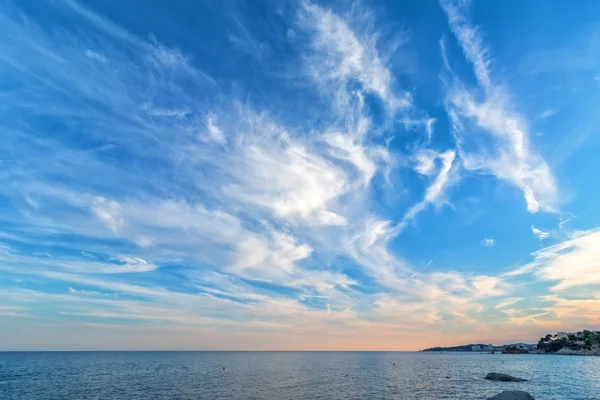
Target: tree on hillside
557	344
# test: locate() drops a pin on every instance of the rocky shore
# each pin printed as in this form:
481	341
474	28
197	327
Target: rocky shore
582	343
595	351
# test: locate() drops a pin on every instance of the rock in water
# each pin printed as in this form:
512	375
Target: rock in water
512	395
494	376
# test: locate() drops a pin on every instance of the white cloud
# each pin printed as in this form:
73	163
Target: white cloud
225	242
511	160
425	161
508	302
95	56
466	287
234	194
126	264
548	113
429	128
219	238
155	111
506	152
144	241
368	246
488	242
520	317
278	256
342	57
363	158
289	179
574	262
109	212
90	264
565	219
469	39
488	286
579	311
165	56
435	193
214	132
539	233
411	124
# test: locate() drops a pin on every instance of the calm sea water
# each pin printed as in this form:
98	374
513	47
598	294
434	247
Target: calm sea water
290	375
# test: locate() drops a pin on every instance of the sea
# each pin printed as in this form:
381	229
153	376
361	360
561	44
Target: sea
291	375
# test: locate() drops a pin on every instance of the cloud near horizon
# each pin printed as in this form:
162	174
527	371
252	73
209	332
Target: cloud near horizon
277	191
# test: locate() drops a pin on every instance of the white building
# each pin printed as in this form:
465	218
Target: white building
475	348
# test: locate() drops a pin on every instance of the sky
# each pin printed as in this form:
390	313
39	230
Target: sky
297	175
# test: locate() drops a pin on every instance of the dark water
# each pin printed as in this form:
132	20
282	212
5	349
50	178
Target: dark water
290	375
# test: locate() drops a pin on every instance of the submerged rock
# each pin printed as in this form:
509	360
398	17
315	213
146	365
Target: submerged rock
494	376
512	395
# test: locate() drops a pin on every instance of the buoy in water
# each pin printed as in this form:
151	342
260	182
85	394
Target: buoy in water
394	364
223	368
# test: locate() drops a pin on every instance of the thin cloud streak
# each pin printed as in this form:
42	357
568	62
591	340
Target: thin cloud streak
510	158
435	193
149	198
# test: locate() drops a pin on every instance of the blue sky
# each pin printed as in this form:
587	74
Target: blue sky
297	175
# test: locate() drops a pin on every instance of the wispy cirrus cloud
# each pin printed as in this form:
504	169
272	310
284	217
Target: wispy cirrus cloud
123	264
570	263
340	56
262	179
96	56
540	234
548	113
436	192
491	135
142	194
509	302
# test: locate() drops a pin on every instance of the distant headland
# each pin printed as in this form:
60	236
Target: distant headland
585	343
479	347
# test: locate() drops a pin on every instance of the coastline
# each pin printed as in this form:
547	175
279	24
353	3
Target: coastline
580	343
562	352
569	352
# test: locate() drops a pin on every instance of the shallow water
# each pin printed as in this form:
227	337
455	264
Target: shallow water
291	375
